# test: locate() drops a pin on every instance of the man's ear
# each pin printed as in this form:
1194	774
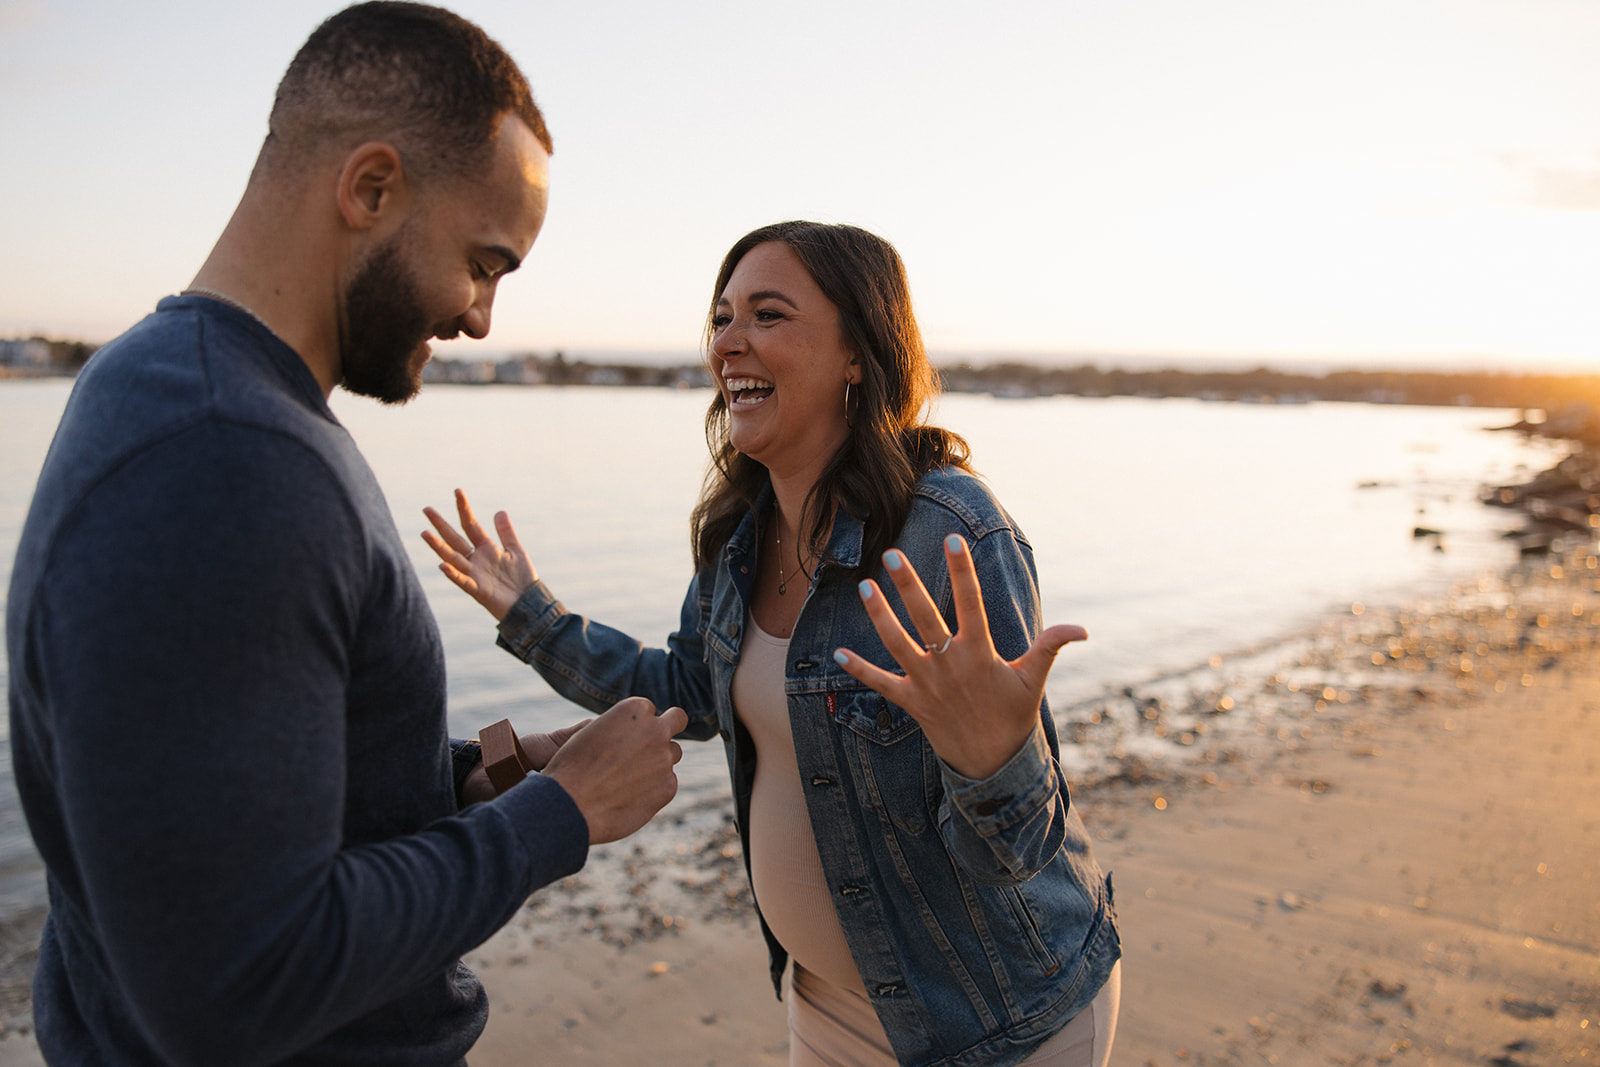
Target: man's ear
373	186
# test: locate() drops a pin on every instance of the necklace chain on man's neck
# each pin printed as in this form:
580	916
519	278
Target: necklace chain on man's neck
224	298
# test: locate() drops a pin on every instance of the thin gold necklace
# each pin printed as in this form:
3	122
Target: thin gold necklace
783	578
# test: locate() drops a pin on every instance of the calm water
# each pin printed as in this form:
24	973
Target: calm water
1174	530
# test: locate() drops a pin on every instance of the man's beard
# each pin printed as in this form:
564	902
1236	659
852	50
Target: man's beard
384	325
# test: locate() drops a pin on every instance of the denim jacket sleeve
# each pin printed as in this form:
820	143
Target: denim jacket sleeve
594	665
1006	828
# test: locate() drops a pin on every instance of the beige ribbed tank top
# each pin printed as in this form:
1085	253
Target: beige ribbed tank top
785	868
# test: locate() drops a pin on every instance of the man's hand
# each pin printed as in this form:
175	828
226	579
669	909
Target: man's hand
618	769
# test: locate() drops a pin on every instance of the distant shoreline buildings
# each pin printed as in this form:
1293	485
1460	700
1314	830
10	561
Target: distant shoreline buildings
40	357
557	370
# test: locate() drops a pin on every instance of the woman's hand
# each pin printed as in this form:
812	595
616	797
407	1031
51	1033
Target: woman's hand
493	575
976	709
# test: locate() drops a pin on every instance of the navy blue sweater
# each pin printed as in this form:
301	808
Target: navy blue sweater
227	700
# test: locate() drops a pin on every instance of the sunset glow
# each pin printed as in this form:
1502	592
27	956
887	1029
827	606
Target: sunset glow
1402	182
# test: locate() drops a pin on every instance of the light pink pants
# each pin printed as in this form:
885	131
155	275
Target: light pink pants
833	1027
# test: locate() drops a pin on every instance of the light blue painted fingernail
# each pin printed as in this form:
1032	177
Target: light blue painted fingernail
953	543
866	590
892	560
841	658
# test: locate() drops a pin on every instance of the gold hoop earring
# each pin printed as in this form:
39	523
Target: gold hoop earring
847	401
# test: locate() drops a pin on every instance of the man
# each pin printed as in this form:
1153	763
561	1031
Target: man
227	689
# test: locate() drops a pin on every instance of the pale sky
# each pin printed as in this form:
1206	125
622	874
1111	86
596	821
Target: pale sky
1374	182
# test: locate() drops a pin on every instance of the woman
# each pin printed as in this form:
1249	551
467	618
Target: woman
917	856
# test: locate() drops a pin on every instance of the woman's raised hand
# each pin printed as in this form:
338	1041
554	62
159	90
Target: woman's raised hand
976	709
493	575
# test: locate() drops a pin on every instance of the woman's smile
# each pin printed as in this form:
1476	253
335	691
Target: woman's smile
747	392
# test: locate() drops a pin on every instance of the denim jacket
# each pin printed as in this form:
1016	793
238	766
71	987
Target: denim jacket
974	910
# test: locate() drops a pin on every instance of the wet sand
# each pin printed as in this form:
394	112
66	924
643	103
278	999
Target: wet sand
1425	889
1377	843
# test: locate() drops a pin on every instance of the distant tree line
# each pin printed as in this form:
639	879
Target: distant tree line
1571	400
1550	393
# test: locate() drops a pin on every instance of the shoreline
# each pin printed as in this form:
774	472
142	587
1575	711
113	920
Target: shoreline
1362	844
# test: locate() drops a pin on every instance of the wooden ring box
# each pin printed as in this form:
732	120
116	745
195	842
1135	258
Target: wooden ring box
504	759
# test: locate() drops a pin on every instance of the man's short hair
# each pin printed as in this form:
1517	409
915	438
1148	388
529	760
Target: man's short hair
424	79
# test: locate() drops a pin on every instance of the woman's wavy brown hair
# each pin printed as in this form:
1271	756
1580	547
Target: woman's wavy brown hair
890	445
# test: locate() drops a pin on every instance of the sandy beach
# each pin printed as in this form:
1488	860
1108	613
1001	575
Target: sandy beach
1371	844
1402	868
